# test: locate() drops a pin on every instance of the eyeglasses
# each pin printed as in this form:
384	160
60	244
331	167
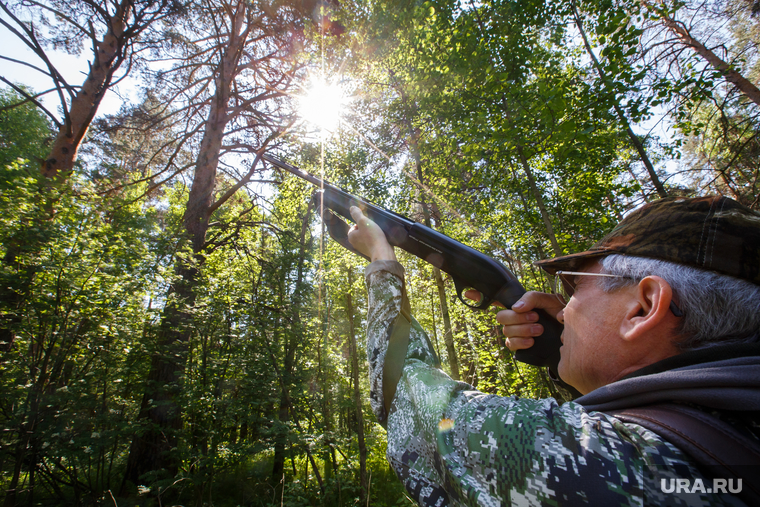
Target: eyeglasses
564	287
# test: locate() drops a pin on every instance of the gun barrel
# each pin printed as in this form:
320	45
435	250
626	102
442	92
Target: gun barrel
294	170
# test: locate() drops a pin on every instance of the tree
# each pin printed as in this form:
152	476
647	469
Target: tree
357	397
117	30
24	133
685	36
68	371
234	68
623	43
701	61
184	331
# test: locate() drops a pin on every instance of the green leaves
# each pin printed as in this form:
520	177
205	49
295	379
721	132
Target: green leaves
490	115
24	130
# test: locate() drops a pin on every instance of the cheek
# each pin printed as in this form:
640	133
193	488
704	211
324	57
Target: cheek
584	329
580	354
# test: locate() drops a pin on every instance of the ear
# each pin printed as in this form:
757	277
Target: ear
648	309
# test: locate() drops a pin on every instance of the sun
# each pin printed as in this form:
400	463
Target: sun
322	104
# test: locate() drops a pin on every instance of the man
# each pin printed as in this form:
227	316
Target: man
665	308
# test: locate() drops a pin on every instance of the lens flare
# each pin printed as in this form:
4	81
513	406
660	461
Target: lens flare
322	105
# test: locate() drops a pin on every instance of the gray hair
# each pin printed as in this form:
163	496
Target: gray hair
717	308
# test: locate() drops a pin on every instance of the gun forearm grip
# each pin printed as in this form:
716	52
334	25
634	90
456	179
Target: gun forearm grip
545	349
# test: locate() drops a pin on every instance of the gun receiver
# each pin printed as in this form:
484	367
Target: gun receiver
469	268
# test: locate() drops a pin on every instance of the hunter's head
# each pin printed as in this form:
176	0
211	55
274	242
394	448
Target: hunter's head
675	275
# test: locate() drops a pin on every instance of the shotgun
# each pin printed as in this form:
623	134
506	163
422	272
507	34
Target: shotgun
468	268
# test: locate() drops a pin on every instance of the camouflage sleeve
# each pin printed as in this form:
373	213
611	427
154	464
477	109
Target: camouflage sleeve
385	282
453	445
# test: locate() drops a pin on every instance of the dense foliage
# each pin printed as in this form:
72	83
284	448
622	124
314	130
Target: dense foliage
176	327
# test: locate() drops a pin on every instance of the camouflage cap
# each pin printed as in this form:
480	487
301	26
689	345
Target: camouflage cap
711	233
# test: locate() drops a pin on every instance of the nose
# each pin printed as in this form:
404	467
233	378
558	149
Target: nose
561	316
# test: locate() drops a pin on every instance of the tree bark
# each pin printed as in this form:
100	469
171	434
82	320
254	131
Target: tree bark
448	335
357	393
283	416
109	54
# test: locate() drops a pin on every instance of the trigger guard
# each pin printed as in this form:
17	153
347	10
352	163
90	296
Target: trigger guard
484	303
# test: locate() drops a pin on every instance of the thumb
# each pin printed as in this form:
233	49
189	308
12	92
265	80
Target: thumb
357	214
520	303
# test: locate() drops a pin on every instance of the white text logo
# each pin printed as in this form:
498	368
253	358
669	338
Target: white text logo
698	486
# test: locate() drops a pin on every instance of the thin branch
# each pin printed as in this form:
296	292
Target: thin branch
31	99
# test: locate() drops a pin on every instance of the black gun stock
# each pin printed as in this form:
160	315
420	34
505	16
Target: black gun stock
469	268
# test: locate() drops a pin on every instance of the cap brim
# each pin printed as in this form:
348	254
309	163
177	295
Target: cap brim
571	262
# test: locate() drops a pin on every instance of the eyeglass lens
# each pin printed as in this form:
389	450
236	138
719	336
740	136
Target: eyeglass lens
563	287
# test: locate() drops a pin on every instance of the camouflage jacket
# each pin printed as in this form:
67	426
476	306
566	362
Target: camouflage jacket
453	445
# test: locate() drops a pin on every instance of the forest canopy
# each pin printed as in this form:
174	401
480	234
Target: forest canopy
176	328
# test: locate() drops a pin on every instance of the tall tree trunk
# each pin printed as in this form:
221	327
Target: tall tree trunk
357	392
152	450
328	452
292	338
471	363
20	454
283	417
434	327
539	201
327	416
659	187
328	456
285	405
448	337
